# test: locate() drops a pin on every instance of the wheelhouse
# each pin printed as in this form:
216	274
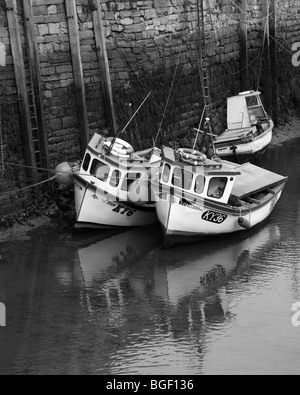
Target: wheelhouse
111	174
209	181
245	110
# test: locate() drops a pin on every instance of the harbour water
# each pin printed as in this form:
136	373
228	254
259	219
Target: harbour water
119	303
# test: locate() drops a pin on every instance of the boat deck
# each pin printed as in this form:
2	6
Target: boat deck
252	179
232	135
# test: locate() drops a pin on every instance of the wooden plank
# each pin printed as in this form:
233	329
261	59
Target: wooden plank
34	65
244	58
78	73
104	68
20	77
274	61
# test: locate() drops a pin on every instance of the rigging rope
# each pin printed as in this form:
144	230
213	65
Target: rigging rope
1	143
262	55
169	96
261	28
216	34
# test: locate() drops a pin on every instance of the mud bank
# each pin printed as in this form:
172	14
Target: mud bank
289	131
19	232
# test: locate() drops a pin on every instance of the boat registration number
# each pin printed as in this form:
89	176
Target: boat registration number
124	210
212	216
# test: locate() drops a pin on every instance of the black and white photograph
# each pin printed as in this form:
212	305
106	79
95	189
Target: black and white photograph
149	178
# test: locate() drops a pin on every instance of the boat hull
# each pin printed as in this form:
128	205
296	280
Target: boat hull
244	150
95	209
197	221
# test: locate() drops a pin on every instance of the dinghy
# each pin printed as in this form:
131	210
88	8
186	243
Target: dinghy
249	128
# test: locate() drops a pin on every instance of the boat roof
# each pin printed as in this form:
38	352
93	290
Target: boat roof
210	166
253	179
246	94
95	147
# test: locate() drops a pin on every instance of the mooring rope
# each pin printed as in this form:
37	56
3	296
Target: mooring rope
58	173
28	187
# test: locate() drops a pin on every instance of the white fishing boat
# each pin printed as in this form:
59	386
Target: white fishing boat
249	128
197	196
106	194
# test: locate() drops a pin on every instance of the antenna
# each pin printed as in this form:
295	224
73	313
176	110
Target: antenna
131	119
128	123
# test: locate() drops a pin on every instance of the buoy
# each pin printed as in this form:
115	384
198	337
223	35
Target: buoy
64	172
244	223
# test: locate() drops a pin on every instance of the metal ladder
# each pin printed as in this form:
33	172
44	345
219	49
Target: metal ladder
32	112
203	66
205	83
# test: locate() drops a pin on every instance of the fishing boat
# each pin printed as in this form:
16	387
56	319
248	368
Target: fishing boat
198	196
249	128
107	194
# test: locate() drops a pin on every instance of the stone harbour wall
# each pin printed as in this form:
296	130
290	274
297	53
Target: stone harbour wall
152	46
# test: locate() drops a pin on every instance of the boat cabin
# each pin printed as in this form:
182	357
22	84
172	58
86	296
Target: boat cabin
115	175
207	181
245	111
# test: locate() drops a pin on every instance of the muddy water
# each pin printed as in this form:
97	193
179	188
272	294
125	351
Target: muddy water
118	303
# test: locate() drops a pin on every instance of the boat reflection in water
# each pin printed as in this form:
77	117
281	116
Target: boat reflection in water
103	259
169	297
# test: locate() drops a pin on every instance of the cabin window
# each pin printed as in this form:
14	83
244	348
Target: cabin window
200	184
252	101
129	179
182	178
86	162
187	180
166	173
100	170
256	113
115	178
177	177
217	187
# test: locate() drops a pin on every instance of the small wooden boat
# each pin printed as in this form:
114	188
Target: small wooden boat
197	196
249	128
111	186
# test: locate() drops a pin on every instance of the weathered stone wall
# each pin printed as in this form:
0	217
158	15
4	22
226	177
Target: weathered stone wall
152	47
